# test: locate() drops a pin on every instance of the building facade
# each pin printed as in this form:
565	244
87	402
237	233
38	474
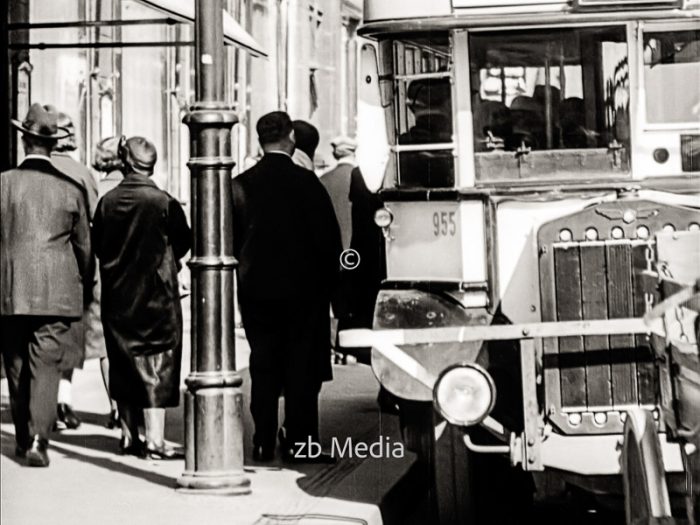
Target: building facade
312	68
126	67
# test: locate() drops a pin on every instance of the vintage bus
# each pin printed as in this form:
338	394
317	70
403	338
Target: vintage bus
538	163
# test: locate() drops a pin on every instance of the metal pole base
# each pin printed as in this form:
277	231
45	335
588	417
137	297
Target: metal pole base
213	445
191	483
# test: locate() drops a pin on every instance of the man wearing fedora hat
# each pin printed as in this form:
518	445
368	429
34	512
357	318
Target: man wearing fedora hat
45	265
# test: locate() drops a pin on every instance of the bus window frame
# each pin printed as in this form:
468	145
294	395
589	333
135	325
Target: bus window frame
462	56
643	27
462	109
400	79
648	136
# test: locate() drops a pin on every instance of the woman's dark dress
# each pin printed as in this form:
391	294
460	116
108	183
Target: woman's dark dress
139	234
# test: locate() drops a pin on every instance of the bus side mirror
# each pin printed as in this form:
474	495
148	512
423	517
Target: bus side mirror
373	97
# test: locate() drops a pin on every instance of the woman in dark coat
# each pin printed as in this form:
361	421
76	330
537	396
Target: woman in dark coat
140	233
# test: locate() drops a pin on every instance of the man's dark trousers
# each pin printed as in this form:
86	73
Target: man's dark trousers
277	367
32	350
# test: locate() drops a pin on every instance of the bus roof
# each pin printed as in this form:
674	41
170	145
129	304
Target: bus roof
416	15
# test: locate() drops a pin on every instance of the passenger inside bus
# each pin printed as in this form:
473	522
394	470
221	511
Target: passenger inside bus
492	124
429	101
528	129
572	122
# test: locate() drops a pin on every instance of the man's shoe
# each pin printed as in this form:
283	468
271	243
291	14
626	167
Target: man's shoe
21	446
37	455
262	454
66	416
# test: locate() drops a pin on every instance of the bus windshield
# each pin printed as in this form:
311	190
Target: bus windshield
550	103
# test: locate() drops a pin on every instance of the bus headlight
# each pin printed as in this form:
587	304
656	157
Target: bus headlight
464	394
383	218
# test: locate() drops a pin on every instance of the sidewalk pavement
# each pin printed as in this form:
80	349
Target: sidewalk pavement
89	483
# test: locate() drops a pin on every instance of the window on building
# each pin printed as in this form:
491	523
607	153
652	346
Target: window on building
106	88
315	20
349	72
57	76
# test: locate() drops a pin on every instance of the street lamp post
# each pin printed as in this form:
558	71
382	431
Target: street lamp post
213	401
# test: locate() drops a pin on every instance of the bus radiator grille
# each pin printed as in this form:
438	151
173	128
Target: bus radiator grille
602	282
593	265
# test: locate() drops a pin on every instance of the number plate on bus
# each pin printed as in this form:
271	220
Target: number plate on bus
444	223
426	241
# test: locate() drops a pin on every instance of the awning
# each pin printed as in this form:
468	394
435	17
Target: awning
233	32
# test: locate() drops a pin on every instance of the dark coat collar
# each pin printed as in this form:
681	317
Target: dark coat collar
277	158
37	163
137	179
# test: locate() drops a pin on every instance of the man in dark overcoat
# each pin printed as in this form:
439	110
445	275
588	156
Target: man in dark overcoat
45	265
354	205
287	243
139	234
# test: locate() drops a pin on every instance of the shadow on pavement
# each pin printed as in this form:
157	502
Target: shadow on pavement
8	446
94	442
116	466
97	442
348	410
5	414
92	418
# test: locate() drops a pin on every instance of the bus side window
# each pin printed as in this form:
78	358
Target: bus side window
671	76
424	146
429	102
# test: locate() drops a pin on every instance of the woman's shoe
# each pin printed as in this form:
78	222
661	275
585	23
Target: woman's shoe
129	448
66	416
113	421
162	452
